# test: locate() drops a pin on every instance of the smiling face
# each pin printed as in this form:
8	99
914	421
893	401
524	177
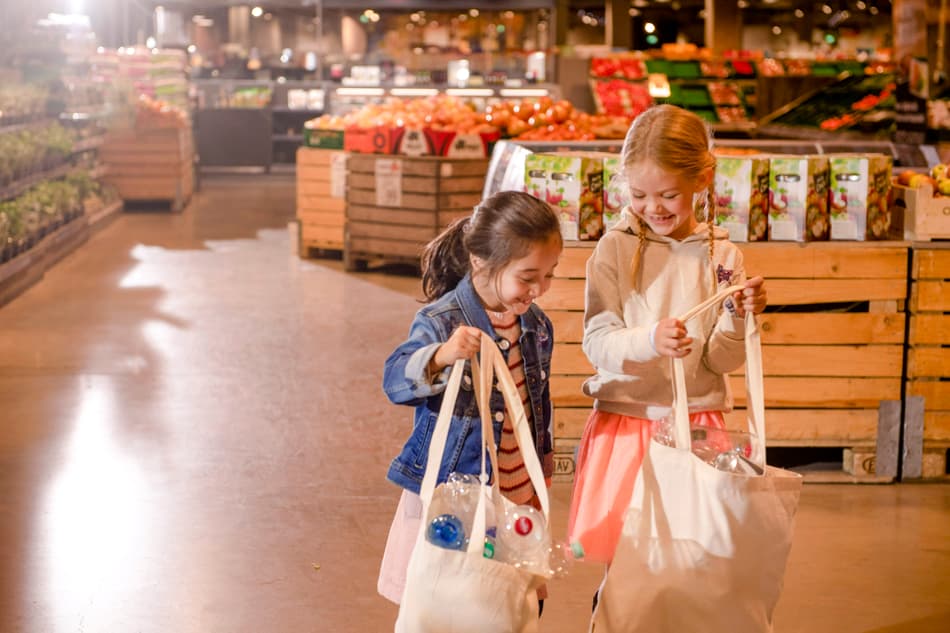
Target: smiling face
664	199
515	287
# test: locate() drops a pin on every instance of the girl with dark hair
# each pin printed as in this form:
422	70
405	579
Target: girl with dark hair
481	275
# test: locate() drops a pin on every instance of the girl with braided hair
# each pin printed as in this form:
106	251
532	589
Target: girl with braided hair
658	261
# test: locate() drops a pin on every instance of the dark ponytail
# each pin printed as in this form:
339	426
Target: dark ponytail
502	228
445	260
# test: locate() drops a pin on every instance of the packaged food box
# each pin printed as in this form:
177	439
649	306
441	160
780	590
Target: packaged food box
616	191
858	195
573	185
536	168
798	198
323	138
742	197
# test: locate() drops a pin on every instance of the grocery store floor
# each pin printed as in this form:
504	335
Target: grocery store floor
193	439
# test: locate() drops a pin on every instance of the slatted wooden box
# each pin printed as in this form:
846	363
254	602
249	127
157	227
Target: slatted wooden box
150	164
826	370
321	184
396	205
926	216
928	356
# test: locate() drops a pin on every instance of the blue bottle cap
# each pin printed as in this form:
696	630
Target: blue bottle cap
446	531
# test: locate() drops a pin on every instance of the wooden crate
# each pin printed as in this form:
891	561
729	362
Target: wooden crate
927	436
396	204
926	217
155	164
826	372
321	182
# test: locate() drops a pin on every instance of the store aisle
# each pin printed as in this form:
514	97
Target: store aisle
194	440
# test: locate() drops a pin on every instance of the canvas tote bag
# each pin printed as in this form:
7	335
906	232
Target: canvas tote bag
450	591
702	550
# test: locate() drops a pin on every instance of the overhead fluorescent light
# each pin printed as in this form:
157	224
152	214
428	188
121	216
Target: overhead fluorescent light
470	92
360	92
413	92
524	92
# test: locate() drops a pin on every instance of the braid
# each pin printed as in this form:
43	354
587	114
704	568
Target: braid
710	212
638	255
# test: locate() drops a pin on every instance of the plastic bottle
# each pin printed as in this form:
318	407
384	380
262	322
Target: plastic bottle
523	540
446	531
563	557
452	511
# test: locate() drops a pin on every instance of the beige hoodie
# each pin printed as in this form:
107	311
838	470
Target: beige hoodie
632	379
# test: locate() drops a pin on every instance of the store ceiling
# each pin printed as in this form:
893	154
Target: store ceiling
359	4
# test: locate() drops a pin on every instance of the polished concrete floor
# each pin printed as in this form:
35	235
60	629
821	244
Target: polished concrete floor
194	439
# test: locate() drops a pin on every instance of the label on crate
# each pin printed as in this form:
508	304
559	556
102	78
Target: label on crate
337	175
414	143
388	182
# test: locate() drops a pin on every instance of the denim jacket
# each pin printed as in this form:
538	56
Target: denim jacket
406	381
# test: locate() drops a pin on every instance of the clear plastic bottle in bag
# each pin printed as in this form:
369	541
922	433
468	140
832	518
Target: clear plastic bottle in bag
523	540
720	448
452	511
563	557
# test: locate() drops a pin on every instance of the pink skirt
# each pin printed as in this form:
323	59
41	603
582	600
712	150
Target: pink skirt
608	460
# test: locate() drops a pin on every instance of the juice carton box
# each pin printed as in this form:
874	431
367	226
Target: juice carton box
859	191
798	198
536	169
742	196
616	191
574	187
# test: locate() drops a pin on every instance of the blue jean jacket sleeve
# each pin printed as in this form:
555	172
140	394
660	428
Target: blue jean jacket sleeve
406	377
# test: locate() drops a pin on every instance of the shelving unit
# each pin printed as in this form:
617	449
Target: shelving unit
41	240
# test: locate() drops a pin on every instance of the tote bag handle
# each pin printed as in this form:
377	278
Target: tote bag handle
755	391
494	365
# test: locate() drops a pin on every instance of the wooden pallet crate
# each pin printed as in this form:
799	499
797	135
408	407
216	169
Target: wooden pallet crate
396	205
321	182
927	427
826	370
151	165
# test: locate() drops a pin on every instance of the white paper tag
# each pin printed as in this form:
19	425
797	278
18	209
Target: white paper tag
388	182
337	174
784	230
844	229
738	232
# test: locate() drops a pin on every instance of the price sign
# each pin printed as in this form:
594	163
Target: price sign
337	174
388	182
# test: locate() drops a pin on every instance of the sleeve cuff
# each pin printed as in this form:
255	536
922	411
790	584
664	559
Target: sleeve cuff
417	370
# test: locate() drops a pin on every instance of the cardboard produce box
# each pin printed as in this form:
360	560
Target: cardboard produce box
742	197
798	199
572	183
859	190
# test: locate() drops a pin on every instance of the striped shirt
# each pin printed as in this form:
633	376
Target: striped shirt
513	477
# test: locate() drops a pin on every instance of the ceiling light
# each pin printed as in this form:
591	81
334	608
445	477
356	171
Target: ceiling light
257	12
